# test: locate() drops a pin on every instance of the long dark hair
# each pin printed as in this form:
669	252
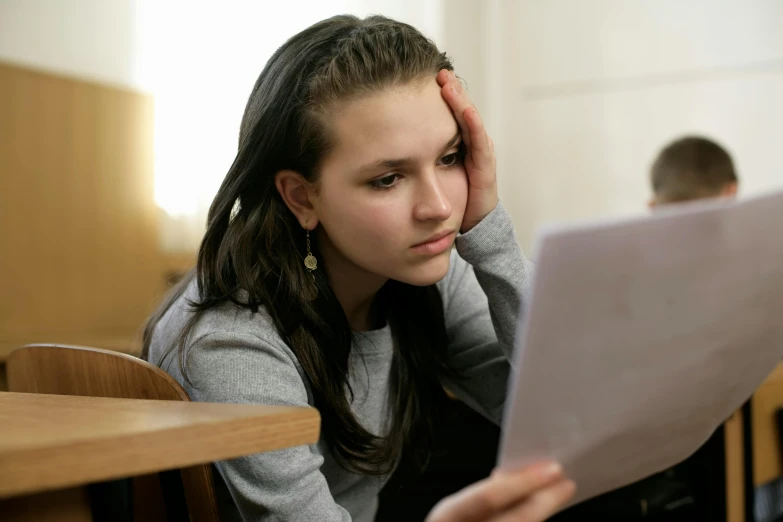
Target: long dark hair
253	248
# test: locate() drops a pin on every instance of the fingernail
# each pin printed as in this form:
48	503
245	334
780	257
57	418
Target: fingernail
452	88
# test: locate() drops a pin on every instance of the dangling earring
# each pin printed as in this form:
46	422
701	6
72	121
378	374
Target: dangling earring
310	262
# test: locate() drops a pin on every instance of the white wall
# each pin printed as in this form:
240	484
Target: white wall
90	39
579	96
592	90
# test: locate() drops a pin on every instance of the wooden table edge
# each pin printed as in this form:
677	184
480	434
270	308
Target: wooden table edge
111	458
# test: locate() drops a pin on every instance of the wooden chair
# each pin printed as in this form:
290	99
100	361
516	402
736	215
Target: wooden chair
73	370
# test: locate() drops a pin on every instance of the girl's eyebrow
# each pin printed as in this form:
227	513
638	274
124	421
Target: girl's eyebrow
387	164
399	163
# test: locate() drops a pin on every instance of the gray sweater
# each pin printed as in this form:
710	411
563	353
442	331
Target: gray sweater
236	356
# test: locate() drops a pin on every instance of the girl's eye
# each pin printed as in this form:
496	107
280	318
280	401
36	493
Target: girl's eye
449	160
453	159
385	182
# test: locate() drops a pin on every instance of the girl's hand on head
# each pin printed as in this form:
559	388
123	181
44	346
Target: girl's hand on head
532	494
480	158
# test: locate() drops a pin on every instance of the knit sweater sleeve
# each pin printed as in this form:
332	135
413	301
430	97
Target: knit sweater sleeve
483	299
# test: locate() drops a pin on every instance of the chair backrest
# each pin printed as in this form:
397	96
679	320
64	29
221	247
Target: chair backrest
75	370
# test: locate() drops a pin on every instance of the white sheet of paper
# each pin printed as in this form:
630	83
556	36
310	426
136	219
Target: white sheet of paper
642	336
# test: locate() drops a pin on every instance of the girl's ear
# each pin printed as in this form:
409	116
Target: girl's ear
730	190
298	195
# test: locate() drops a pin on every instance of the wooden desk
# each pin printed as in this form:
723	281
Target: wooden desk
56	441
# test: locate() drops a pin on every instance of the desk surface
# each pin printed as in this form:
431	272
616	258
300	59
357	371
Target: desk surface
58	441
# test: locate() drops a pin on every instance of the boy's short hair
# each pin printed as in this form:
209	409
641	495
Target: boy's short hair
689	168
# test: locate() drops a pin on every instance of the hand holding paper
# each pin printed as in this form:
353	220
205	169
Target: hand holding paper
642	336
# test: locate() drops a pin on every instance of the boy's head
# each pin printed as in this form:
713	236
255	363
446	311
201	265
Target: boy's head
692	168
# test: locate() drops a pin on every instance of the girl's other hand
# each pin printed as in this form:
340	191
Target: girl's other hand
532	494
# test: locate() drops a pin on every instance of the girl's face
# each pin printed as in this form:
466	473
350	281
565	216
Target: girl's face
392	192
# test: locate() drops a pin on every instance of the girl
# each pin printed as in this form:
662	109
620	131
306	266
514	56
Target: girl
327	277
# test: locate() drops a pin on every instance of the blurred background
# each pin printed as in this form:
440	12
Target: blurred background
119	119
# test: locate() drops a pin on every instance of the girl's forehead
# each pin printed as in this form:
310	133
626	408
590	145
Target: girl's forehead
408	121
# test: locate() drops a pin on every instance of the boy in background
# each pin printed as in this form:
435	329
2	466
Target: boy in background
690	168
